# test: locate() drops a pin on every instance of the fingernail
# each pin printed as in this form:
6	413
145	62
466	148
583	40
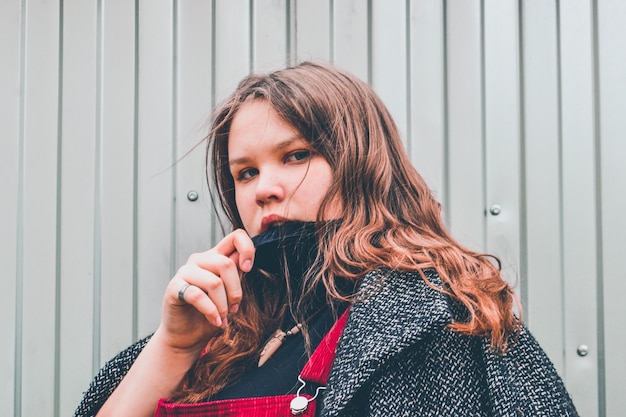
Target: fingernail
225	322
218	322
234	308
246	265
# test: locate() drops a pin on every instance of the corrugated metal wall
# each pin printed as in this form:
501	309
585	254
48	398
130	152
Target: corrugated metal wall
512	109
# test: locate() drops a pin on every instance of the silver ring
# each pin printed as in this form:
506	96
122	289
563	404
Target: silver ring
181	292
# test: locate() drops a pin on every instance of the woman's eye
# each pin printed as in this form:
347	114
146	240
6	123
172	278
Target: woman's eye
246	174
298	156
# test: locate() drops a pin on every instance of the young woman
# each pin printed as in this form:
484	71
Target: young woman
339	292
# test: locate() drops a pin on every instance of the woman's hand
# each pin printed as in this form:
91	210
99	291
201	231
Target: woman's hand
213	292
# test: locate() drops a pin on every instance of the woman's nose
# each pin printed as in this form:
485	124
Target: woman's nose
269	188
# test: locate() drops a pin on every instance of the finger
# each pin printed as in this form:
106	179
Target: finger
238	242
201	301
213	286
226	270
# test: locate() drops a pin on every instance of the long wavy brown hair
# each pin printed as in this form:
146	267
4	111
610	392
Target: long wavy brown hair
389	217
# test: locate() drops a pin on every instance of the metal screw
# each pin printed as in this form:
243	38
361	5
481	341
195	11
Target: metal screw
495	210
582	350
192	195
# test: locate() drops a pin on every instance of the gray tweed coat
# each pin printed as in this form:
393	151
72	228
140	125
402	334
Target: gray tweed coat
397	358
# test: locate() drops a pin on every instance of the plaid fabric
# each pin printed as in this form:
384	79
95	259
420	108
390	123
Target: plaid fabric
397	358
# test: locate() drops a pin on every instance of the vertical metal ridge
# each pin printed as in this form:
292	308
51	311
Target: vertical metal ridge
561	181
214	215
523	226
97	200
370	29
213	55
294	31
331	37
598	208
19	235
483	122
446	117
409	124
174	144
288	34
251	28
59	210
135	301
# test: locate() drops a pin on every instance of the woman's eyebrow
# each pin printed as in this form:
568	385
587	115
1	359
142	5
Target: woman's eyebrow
238	161
287	142
278	146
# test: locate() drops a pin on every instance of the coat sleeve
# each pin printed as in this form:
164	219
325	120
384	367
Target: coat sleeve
523	381
107	379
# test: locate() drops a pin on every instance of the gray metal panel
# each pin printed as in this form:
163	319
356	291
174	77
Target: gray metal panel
389	59
543	273
232	58
465	128
270	38
11	191
612	90
427	93
155	158
579	206
312	29
80	195
502	134
118	317
40	334
193	105
350	45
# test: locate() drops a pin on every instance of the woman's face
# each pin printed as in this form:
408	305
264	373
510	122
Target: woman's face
278	176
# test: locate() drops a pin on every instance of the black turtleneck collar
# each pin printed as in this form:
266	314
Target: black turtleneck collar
293	244
288	252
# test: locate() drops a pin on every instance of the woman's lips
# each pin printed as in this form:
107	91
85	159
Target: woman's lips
271	220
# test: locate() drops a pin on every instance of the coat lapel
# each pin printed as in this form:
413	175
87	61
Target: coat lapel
398	310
